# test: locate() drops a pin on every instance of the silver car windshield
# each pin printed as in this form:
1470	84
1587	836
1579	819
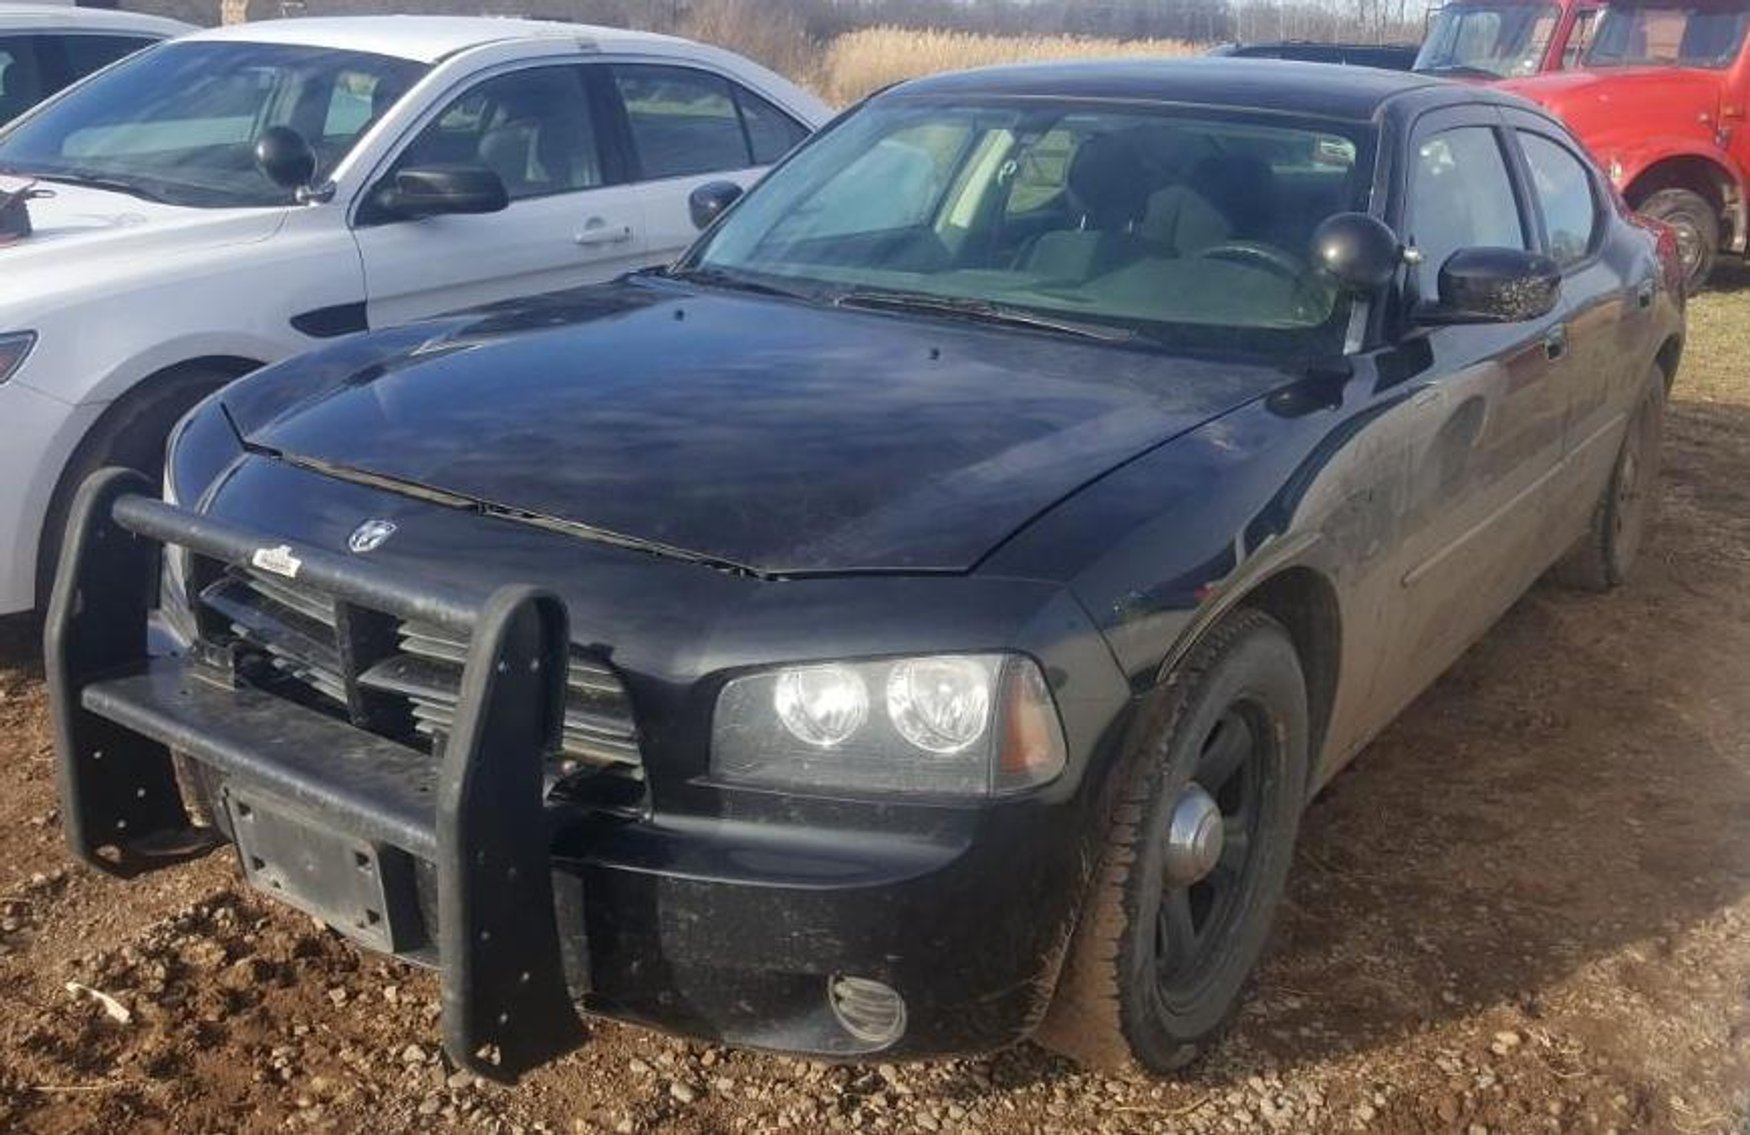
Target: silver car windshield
179	122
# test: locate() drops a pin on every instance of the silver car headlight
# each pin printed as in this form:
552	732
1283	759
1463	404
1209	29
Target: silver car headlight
939	725
14	349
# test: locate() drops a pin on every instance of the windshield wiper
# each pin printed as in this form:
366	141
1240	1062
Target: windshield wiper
981	311
722	278
1461	69
98	181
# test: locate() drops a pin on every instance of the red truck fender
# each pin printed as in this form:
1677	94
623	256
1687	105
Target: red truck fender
1641	166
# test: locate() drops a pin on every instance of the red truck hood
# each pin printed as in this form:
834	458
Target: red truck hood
1640	101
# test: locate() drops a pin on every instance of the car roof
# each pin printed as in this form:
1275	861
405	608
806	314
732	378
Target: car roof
1320	90
65	17
429	39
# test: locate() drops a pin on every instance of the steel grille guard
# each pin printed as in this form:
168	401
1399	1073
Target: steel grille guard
479	817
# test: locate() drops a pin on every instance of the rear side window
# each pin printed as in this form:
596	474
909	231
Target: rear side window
1460	197
770	131
88	53
686	122
1565	195
22	80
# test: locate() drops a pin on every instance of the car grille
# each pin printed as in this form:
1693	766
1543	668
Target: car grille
403	679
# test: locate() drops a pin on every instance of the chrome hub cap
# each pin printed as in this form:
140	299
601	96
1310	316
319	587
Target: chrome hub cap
1194	838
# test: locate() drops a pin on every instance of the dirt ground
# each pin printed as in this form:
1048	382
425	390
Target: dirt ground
1525	908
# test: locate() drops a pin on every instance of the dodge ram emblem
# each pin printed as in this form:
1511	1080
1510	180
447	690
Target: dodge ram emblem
369	536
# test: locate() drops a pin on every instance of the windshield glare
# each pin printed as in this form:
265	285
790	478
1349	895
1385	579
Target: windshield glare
179	122
1188	228
1501	41
1675	36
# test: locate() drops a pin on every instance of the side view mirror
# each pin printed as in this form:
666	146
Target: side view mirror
1495	285
712	200
285	158
432	191
1359	252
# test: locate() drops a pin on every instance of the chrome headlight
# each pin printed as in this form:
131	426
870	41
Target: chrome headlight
940	725
14	349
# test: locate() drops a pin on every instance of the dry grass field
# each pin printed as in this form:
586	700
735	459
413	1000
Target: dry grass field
863	61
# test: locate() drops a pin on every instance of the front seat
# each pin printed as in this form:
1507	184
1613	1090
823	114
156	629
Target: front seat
1226	197
1107	186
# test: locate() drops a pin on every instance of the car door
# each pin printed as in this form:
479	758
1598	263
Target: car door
573	217
1606	305
685	127
1484	420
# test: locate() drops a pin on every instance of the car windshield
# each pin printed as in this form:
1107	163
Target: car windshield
1488	42
178	123
1694	35
1179	228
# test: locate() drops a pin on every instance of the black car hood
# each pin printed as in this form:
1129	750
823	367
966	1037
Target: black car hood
764	433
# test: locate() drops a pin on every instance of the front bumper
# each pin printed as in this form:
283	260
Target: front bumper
740	930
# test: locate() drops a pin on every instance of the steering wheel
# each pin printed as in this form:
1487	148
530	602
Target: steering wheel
1266	256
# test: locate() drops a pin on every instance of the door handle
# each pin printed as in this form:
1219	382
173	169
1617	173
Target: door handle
1555	342
596	233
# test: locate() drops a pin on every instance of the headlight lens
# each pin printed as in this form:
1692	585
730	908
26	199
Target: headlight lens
941	705
941	725
821	706
14	349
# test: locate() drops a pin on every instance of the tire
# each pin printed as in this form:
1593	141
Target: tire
131	433
1605	556
1143	986
1698	231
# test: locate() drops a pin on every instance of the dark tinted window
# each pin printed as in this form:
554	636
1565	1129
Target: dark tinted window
532	127
772	132
21	75
1460	197
1564	193
88	53
683	121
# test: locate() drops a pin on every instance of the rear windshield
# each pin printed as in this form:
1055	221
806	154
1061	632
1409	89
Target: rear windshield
1696	35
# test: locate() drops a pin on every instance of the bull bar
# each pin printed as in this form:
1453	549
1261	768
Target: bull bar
477	815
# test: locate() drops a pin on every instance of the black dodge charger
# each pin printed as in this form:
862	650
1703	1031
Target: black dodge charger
916	619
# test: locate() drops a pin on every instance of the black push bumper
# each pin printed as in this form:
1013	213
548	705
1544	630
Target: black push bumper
476	816
734	924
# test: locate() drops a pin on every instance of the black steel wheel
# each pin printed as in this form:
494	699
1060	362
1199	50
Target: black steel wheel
1197	858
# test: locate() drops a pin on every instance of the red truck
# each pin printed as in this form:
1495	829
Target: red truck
1661	103
1504	39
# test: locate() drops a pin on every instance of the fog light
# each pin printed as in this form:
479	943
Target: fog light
869	1010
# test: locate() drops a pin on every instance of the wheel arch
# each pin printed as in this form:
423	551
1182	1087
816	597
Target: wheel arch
1305	602
226	367
130	403
1699	174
